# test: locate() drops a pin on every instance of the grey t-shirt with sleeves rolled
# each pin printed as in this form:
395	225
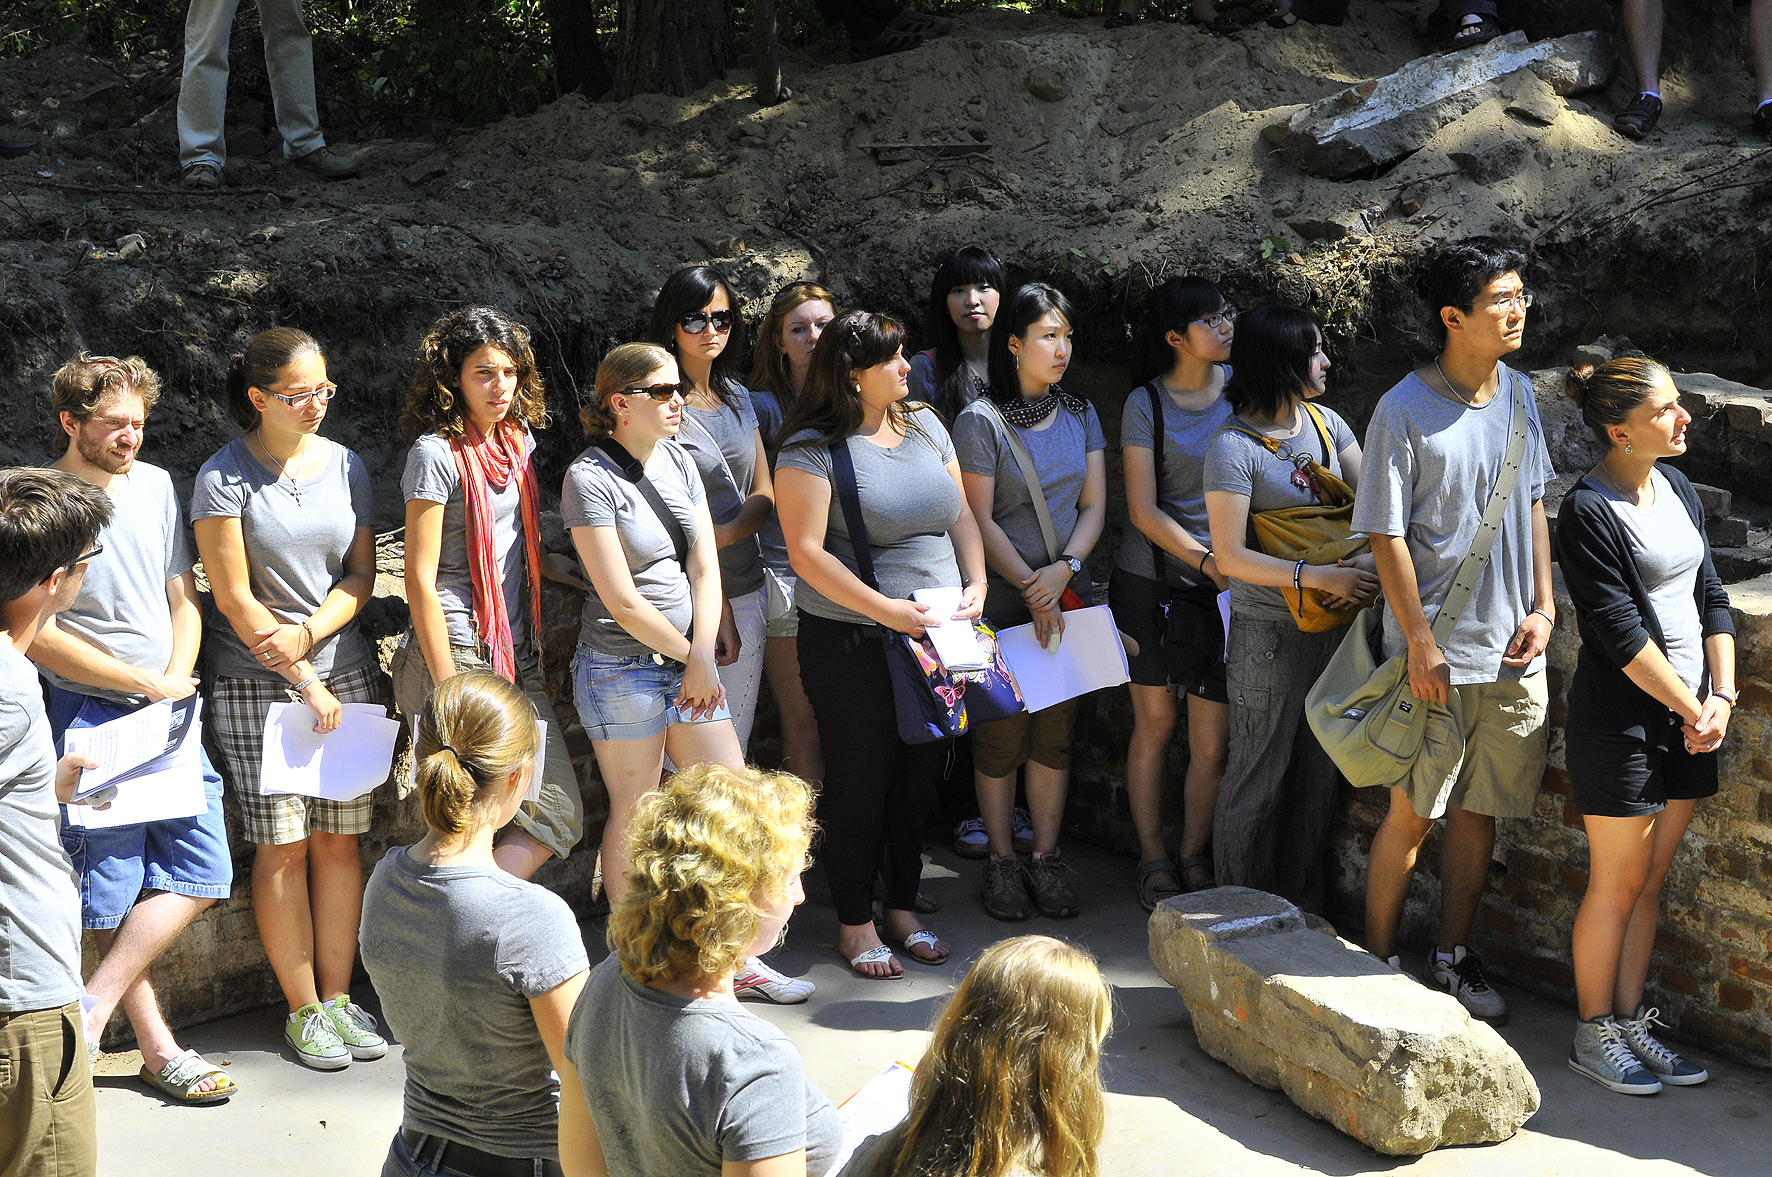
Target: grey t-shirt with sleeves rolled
297	543
1237	463
39	889
1180	494
908	503
1060	451
723	442
432	475
122	607
681	1086
597	494
1668	552
1428	465
766	404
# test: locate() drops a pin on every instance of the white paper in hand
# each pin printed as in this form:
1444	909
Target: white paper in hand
341	765
955	642
1088	659
879	1106
167	785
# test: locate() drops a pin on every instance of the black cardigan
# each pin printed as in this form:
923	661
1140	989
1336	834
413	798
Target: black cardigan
1613	613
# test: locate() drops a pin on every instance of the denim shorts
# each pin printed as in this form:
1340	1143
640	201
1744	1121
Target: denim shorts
622	698
184	855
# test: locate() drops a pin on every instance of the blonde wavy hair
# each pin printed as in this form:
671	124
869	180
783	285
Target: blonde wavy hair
705	850
475	732
623	368
1012	1077
86	383
769	369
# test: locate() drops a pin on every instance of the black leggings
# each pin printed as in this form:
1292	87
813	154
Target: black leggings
877	789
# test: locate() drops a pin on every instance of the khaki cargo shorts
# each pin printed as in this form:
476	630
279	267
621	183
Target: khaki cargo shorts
1498	767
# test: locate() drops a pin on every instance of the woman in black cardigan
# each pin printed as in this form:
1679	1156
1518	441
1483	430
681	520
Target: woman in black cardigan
1650	703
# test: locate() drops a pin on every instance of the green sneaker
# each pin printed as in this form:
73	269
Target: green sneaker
316	1044
355	1027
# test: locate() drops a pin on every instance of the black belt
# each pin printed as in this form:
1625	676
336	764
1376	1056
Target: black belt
439	1153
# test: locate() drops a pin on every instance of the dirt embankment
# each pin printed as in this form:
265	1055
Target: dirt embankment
1104	161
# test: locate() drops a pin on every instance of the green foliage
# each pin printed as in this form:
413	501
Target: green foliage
1273	247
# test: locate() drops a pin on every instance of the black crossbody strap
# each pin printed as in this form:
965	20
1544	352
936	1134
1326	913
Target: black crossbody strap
849	498
1158	556
635	473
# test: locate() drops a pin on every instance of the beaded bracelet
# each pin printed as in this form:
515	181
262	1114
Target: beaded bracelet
310	633
1725	696
1298	576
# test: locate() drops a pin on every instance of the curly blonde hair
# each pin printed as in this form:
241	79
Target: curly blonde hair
706	849
87	382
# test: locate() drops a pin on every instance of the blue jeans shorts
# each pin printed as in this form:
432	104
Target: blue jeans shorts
184	855
620	698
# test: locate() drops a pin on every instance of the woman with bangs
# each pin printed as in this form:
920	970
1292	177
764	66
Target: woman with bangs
963	299
797	316
474	560
877	789
677	1076
1011	1083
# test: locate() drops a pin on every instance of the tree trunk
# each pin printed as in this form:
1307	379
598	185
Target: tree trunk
672	46
764	49
578	55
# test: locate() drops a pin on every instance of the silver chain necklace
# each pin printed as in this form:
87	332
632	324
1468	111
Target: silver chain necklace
282	472
1453	388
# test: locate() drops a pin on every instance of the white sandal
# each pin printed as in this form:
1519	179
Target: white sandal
878	954
925	936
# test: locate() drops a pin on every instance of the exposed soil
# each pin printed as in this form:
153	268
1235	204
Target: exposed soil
1104	161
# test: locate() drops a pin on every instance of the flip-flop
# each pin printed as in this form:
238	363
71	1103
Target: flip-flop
930	939
183	1072
878	954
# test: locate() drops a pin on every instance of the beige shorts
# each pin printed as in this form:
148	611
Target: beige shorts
1503	752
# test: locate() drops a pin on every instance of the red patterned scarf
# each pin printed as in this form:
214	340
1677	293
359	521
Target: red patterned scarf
485	462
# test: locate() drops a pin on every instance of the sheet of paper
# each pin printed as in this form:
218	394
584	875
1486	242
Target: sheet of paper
881	1103
174	790
955	642
1089	658
341	765
1224	615
121	745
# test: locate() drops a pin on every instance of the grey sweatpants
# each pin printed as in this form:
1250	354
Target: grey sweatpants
203	94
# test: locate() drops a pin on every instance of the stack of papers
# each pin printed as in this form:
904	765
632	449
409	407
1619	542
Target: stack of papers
956	644
151	756
340	765
881	1104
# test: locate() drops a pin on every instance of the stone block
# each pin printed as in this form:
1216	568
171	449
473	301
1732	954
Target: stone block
1749	414
431	167
1048	84
1385	119
1704	394
1714	499
1528	96
1399	1067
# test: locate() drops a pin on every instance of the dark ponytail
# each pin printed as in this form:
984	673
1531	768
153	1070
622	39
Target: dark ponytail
1609	393
259	366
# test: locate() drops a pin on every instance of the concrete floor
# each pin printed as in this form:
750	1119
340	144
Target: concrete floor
1171	1109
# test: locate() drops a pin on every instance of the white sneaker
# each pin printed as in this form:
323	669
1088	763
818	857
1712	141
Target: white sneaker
761	983
1462	977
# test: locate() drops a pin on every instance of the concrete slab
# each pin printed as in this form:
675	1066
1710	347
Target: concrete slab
1171	1109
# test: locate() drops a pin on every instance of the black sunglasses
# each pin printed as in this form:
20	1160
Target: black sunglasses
695	322
98	549
658	392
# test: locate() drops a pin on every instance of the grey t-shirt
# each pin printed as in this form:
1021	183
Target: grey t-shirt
680	1086
921	380
767	406
39	891
1668	551
598	494
296	547
908	503
1427	468
723	442
1180	494
456	952
122	607
1237	463
1060	450
432	475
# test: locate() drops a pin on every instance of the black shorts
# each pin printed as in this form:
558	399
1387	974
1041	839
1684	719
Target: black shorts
1133	599
1613	774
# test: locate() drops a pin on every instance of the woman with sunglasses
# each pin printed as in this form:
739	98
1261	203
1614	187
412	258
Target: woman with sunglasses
474	560
696	319
1181	356
963	300
285	530
797	316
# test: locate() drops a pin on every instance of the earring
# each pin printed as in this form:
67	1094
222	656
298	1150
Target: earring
1627	448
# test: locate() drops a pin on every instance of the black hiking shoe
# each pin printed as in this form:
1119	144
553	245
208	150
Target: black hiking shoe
1640	117
1763	120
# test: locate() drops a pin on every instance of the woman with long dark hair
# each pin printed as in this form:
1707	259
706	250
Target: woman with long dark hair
1270	829
1061	435
877	789
1181	359
963	299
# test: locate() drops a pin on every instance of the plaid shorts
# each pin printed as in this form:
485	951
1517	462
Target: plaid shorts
236	719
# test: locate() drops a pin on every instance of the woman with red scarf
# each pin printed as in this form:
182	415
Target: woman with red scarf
474	560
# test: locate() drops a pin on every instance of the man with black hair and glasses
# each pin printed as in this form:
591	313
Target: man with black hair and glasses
49	526
1434	451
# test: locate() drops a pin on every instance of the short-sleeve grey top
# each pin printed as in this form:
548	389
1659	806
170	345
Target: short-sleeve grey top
597	494
1060	449
432	475
908	503
768	408
682	1086
723	442
1237	463
1426	473
456	952
1180	493
39	891
1668	552
296	546
122	607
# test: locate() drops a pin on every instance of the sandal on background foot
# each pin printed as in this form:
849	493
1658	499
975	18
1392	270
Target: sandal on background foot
925	938
1193	863
878	954
1479	32
1151	892
183	1072
1121	20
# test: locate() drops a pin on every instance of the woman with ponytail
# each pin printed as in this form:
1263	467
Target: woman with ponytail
478	969
1649	705
285	529
474	560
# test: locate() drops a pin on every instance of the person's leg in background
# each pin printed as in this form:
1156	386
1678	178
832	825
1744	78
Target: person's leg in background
203	91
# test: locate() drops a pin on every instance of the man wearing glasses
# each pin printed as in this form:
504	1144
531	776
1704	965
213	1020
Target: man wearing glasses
49	522
1434	450
129	639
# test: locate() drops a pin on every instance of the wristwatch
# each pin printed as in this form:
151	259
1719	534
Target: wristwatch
1076	564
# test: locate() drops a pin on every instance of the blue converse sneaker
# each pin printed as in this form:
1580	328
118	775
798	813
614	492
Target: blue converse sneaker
1601	1054
1668	1066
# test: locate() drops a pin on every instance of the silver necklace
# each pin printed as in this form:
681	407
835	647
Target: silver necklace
1634	499
1453	387
282	472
